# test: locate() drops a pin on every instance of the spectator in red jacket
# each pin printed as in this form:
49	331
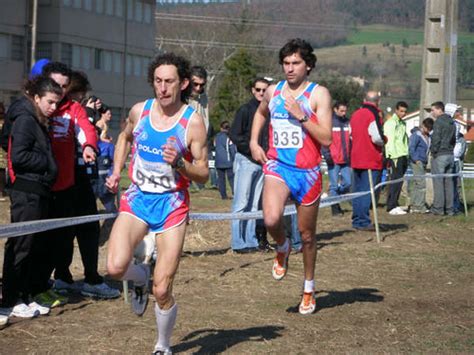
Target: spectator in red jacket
338	155
366	155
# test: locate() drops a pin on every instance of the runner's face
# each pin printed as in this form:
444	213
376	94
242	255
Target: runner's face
259	90
295	68
48	103
167	85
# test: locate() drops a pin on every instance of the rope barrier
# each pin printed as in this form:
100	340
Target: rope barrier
22	228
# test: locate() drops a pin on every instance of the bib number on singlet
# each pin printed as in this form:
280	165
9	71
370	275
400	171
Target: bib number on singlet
153	180
287	134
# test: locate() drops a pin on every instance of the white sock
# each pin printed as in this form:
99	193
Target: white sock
284	247
165	321
308	286
135	273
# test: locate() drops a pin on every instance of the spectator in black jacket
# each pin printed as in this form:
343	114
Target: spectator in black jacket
225	154
32	172
248	174
443	140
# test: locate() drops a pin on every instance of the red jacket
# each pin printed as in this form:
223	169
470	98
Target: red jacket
69	123
365	154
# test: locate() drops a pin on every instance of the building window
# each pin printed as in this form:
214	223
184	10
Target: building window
147	13
109	7
88	5
137	65
99	6
130	10
98	59
77	4
107	61
66	53
4	39
44	50
146	62
18	48
76	57
128	65
67	2
138	11
86	57
117	57
119	8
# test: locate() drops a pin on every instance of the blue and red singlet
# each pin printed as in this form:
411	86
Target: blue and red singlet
158	194
294	155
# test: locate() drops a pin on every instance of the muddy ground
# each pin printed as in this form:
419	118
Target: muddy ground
413	293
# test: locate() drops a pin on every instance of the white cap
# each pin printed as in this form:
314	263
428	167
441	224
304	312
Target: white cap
450	109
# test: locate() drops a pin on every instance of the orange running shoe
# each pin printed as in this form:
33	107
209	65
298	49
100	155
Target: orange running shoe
308	303
280	264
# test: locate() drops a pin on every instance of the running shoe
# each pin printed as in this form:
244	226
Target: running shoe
160	351
21	310
280	264
140	293
102	291
3	319
308	303
50	299
42	310
64	287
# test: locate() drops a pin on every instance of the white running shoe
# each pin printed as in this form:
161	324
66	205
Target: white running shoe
161	351
21	310
397	211
102	291
140	293
42	310
3	319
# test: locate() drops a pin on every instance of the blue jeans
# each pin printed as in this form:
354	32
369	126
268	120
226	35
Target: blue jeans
457	206
248	184
361	205
336	188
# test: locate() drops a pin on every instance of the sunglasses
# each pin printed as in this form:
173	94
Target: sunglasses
260	89
199	84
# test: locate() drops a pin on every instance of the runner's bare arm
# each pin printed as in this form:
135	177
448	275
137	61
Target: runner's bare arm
320	129
122	147
258	122
197	170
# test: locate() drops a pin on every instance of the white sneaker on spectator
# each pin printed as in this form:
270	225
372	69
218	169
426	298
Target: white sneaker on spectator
21	310
3	319
397	211
64	287
41	309
100	291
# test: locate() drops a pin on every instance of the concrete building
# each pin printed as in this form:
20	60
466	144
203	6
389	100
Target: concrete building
112	41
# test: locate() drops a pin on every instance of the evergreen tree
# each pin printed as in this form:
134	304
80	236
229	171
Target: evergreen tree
234	87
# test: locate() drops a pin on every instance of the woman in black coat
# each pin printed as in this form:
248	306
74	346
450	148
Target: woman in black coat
31	173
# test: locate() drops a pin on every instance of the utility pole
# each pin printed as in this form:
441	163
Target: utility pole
439	72
34	17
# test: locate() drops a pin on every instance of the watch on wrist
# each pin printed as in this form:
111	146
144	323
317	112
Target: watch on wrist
179	163
304	119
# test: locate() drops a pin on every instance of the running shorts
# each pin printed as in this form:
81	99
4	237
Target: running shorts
304	184
159	211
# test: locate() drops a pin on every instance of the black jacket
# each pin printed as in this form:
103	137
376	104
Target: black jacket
242	127
31	164
443	137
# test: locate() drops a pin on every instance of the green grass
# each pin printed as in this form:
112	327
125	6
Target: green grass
381	34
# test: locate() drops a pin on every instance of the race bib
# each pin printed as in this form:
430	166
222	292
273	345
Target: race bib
287	134
156	177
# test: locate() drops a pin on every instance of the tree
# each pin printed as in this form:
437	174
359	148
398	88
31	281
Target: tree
234	87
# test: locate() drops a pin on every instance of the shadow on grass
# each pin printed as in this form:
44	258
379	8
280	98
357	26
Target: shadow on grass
205	252
340	298
213	341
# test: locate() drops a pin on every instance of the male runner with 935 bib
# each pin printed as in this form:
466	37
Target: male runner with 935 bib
168	140
300	121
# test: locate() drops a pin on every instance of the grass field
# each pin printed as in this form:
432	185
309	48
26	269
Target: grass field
395	35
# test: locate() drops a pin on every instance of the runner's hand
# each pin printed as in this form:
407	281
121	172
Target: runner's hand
170	153
293	108
112	183
258	154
